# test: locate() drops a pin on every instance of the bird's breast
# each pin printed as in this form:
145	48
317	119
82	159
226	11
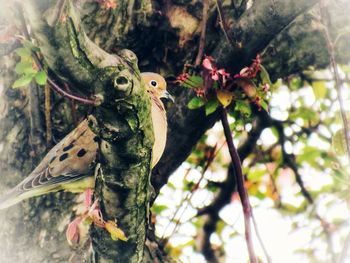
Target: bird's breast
159	128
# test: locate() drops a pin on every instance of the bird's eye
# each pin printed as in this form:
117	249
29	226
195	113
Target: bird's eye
154	83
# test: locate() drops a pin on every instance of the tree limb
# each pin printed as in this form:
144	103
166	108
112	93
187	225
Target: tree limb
186	126
236	162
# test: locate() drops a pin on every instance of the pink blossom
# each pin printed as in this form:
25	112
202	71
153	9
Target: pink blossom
222	72
266	87
245	72
225	76
73	232
207	63
182	77
251	71
200	92
257	102
214	72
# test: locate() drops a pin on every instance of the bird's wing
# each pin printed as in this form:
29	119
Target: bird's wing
70	160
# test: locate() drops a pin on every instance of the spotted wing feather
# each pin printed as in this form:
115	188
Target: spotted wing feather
70	160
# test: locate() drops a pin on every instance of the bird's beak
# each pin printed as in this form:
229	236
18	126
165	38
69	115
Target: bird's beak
168	96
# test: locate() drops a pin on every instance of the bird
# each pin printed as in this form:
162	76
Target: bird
68	166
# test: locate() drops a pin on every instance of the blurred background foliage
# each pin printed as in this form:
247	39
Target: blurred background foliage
298	168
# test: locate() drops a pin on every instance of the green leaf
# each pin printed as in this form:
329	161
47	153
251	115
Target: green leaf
243	107
24	53
304	113
171	185
264	105
159	208
196	80
24	68
23	81
41	77
188	186
211	106
264	75
320	89
195	103
339	142
115	231
296	83
220	226
30	46
186	85
345	68
310	155
193	82
260	195
256	175
212	186
225	97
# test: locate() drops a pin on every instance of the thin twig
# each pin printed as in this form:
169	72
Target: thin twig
326	228
203	33
274	186
177	208
345	249
268	257
53	85
325	21
72	105
60	91
228	187
48	115
222	22
290	162
240	185
209	160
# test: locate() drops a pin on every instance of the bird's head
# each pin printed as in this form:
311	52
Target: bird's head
156	84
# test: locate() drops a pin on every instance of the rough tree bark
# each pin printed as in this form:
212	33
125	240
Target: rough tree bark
164	35
121	120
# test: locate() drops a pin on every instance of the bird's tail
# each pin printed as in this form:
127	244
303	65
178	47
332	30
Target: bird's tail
11	198
17	195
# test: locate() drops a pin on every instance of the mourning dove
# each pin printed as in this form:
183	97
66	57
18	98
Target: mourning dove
69	165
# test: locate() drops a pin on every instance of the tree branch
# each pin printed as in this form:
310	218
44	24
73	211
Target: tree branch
256	28
240	185
203	33
38	63
68	51
223	23
338	83
229	186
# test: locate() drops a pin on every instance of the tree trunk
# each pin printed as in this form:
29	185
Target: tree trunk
164	35
121	120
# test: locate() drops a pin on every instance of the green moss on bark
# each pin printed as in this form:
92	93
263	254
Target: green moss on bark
122	121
